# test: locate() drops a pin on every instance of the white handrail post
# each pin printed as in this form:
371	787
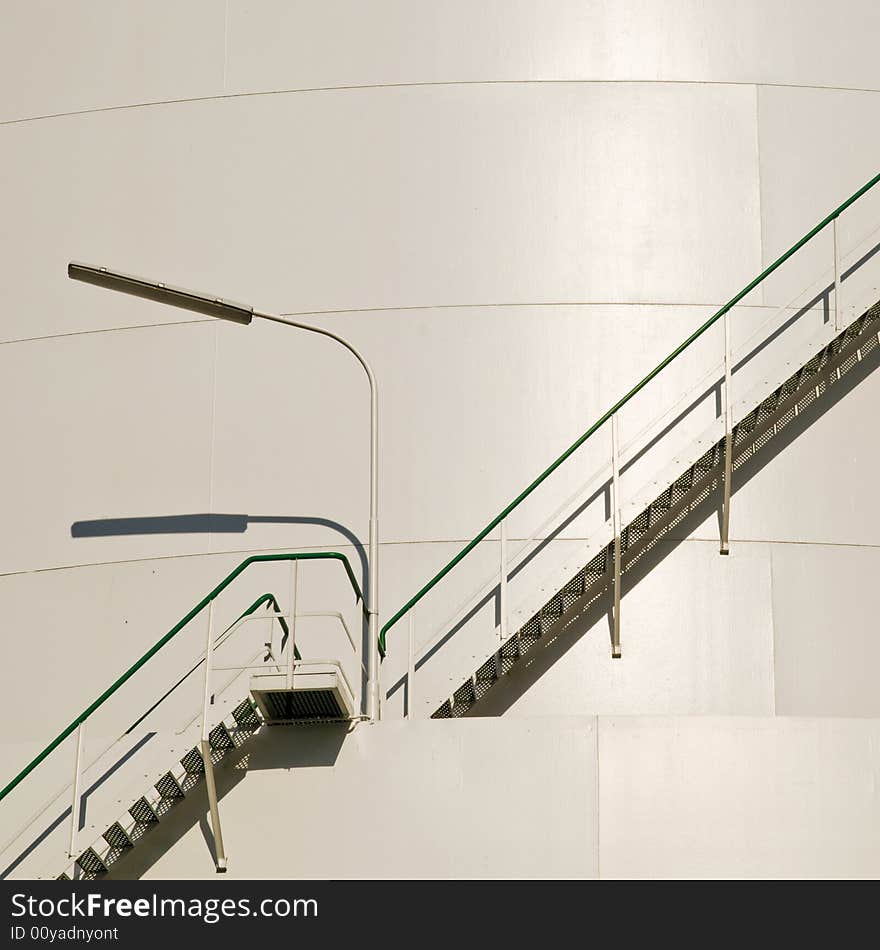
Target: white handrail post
615	521
291	636
502	580
411	668
210	783
728	442
77	794
838	310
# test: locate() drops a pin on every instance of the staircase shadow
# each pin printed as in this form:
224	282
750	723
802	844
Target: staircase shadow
557	642
273	748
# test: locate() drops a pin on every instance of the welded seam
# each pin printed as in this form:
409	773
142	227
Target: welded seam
395	309
135	326
400	543
429	84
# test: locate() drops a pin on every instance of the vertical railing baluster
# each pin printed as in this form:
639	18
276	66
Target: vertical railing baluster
502	580
615	521
838	310
411	668
77	793
205	744
291	646
728	441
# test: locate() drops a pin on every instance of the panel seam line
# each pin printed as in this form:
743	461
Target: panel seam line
429	84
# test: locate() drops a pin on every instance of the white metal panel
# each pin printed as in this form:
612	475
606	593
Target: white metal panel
408	800
291	438
694	643
80	629
103	426
528	380
739	798
388	198
64	57
825	630
797	192
283	45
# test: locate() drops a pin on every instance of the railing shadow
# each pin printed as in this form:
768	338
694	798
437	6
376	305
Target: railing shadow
84	798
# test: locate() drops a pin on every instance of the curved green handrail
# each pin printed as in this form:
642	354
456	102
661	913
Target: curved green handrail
305	556
269	599
463	553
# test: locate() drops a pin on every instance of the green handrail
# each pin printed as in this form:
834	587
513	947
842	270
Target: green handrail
463	553
269	599
305	556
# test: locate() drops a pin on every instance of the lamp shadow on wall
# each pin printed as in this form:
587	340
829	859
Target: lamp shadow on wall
212	523
65	814
219	523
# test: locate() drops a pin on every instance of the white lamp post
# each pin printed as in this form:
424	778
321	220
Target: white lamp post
242	313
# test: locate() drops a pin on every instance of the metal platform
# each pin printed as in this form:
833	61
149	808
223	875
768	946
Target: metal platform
313	692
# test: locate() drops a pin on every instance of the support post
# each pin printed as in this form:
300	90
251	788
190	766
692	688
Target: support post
502	580
728	442
411	668
291	637
615	521
77	792
205	744
838	310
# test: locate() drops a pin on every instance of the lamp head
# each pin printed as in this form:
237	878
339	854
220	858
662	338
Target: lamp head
161	293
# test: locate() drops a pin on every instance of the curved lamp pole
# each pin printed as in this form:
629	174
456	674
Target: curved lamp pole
242	313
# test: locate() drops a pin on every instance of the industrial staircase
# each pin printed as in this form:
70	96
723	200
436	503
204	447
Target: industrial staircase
699	482
181	780
760	390
283	690
755	393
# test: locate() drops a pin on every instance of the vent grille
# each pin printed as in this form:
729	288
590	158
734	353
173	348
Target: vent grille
303	704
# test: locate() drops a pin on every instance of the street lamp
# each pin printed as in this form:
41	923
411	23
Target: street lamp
242	313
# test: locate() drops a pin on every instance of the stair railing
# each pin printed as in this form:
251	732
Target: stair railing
508	566
270	600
